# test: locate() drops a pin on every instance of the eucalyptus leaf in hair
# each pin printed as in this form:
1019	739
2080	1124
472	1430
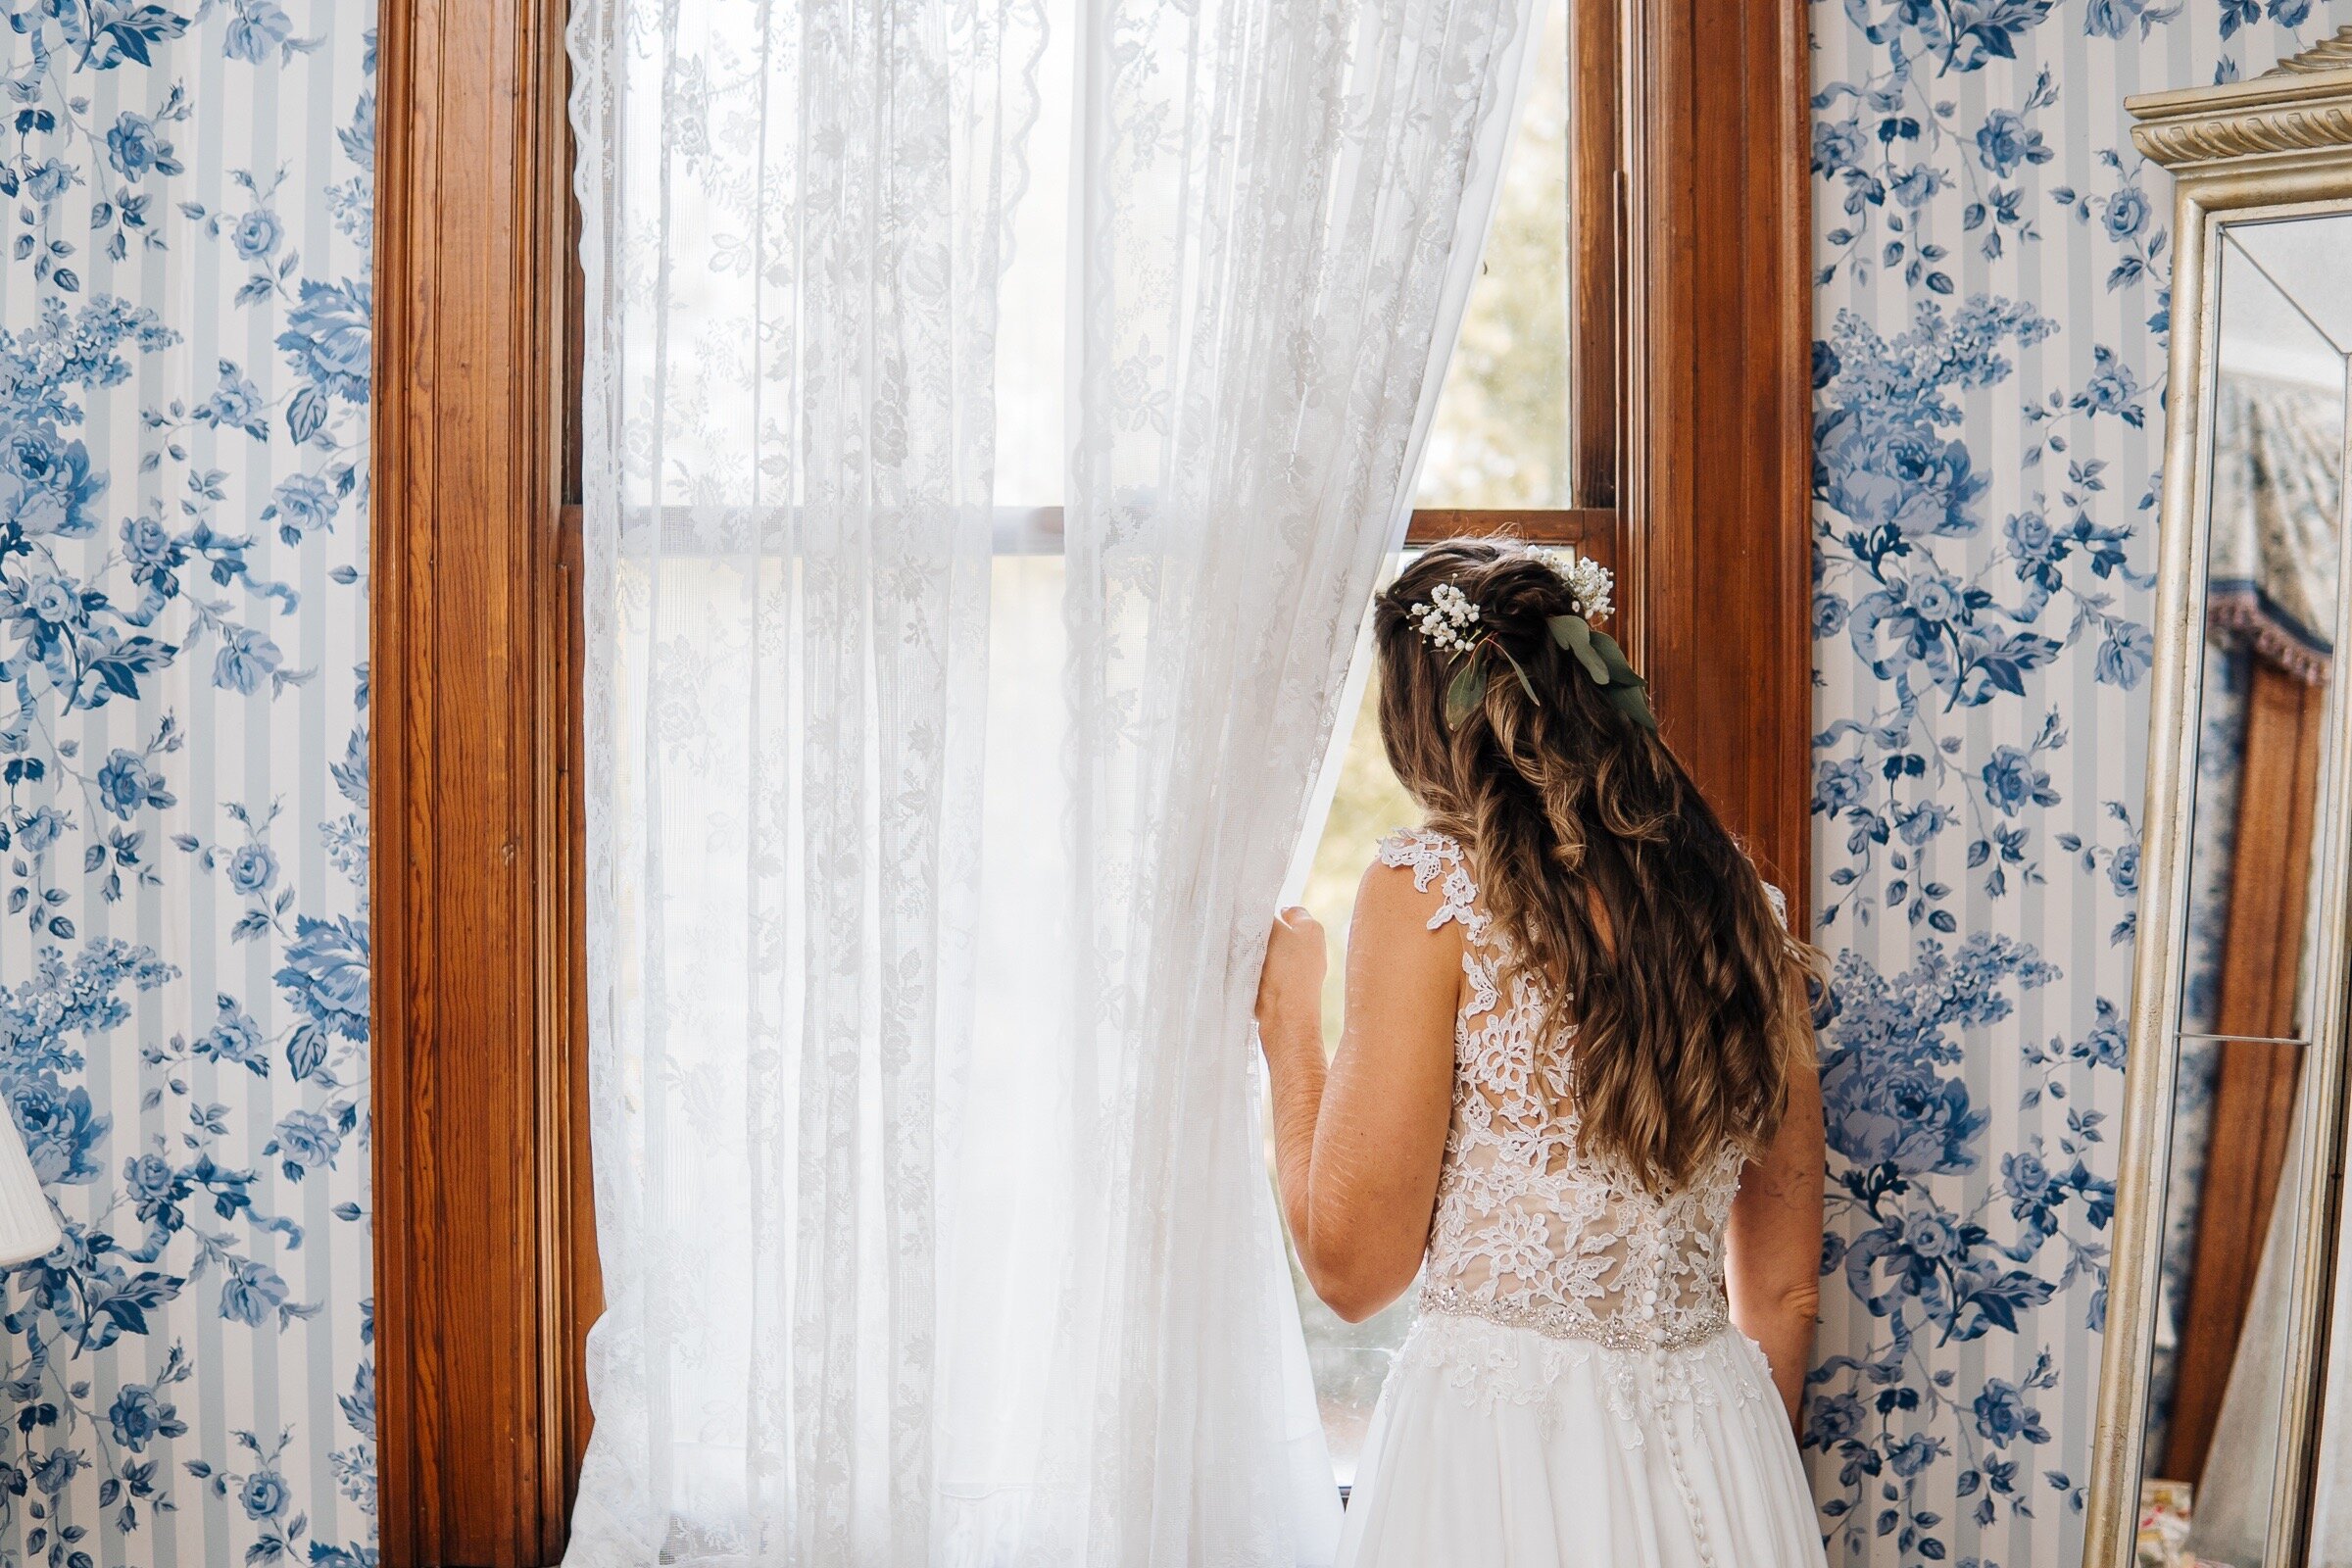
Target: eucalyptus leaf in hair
1525	685
1465	691
1575	636
1468	688
1597	652
1632	701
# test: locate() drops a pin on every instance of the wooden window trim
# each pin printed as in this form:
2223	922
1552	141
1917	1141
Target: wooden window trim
1690	292
484	1247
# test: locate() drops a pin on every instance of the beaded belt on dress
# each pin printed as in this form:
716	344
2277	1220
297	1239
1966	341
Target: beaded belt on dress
1617	1333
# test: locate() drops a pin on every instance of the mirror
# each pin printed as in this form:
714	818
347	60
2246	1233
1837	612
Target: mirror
2274	493
2226	1430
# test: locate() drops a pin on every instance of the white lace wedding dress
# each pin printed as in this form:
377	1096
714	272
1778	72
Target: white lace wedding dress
1572	1394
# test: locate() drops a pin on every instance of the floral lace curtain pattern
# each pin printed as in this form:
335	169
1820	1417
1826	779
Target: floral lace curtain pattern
1271	269
794	228
934	1220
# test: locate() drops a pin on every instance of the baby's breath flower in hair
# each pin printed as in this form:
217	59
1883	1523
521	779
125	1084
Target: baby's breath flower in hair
1588	581
1448	621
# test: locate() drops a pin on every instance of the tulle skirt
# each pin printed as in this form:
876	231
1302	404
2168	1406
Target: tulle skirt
1498	1446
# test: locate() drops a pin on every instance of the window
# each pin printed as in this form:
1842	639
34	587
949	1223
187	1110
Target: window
1504	438
1687	234
1501	434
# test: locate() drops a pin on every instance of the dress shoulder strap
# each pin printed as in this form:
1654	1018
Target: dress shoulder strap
1772	894
1436	859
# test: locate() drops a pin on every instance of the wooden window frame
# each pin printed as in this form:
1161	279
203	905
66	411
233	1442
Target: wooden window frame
1690	299
485	1272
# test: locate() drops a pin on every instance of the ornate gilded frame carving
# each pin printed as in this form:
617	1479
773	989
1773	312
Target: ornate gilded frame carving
2273	146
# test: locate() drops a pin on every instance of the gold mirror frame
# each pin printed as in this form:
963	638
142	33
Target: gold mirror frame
2277	145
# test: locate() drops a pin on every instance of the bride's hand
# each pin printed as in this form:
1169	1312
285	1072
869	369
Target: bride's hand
1290	989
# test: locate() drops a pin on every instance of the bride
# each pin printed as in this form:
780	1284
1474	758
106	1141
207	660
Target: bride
1575	1094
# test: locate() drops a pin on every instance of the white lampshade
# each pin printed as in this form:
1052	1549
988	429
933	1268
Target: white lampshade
28	1224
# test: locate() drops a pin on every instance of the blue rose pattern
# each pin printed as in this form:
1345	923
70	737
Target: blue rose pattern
1984	495
183	778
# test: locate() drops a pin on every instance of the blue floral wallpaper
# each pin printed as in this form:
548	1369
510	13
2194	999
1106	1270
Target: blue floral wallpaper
1991	302
185	195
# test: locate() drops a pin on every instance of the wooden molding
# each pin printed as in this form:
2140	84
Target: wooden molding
1564	526
1596	281
484	1285
1718	479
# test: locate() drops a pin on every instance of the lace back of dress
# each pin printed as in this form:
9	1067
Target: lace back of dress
1529	1229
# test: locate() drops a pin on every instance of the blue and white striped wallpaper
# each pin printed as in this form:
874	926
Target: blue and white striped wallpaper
186	191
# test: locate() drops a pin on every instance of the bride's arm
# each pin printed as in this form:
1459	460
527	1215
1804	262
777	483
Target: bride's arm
1358	1144
1773	1266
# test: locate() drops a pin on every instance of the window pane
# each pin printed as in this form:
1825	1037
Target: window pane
1033	301
1501	435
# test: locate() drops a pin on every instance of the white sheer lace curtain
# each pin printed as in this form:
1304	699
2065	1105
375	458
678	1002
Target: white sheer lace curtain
1278	218
901	1268
793	217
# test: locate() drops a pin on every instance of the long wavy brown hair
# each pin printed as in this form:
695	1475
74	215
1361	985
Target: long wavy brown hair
1615	884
